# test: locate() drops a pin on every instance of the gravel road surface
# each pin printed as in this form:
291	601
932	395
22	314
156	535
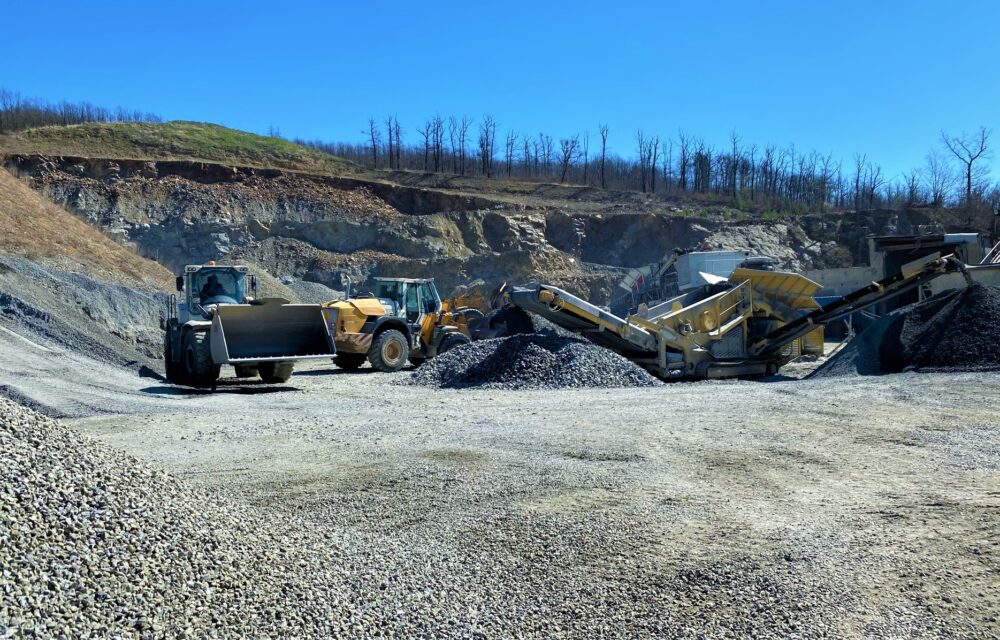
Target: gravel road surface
838	507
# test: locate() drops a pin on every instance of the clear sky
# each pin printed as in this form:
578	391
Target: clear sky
878	76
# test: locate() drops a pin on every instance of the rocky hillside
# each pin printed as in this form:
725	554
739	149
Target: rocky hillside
325	229
308	226
65	281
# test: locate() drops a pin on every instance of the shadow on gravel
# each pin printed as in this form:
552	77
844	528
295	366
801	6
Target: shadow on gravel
222	388
147	372
342	372
778	377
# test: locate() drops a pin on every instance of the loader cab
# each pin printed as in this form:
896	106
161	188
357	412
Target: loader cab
408	298
205	285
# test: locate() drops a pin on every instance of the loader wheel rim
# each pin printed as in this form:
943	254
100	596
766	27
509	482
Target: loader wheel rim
392	351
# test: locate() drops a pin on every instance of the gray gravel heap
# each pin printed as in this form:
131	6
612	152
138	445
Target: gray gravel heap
105	321
542	360
94	544
956	330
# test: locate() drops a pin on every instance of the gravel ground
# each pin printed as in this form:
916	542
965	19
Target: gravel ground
542	360
95	544
842	507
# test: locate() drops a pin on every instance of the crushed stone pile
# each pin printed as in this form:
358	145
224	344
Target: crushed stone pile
105	321
543	360
95	544
957	330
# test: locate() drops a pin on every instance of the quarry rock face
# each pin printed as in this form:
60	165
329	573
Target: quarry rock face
180	212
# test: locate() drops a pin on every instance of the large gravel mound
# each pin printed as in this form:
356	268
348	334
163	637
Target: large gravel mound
105	321
542	360
956	330
94	544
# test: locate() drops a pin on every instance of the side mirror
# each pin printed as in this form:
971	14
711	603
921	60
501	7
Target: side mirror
180	283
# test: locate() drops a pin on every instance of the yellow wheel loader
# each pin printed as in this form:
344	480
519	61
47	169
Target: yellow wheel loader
218	321
405	319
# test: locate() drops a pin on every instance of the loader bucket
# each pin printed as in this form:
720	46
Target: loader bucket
272	331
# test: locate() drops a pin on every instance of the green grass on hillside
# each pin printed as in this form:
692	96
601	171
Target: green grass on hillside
171	141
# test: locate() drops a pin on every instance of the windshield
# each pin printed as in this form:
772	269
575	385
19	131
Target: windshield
388	290
217	287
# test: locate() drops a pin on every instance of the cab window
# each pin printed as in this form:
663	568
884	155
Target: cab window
217	286
427	296
387	291
412	302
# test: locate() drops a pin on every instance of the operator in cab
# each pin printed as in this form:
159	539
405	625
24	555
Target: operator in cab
212	288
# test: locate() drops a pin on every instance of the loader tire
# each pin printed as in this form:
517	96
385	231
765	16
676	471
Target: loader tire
389	351
275	372
199	370
349	361
451	341
245	372
174	370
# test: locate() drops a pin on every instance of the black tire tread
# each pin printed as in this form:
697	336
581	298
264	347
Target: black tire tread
275	372
205	371
350	361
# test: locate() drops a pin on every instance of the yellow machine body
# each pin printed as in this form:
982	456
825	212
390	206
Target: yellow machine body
751	324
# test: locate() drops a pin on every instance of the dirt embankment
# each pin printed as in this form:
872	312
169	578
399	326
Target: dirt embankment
35	228
64	280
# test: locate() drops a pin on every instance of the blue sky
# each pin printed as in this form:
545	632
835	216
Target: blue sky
879	77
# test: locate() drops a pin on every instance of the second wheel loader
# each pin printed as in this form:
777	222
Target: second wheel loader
405	320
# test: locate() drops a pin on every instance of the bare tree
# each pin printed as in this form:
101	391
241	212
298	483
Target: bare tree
874	180
452	131
437	131
968	149
684	144
427	133
604	152
570	149
463	136
640	139
487	136
655	144
586	157
546	143
526	154
510	146
390	131
938	177
376	138
859	168
912	181
734	139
